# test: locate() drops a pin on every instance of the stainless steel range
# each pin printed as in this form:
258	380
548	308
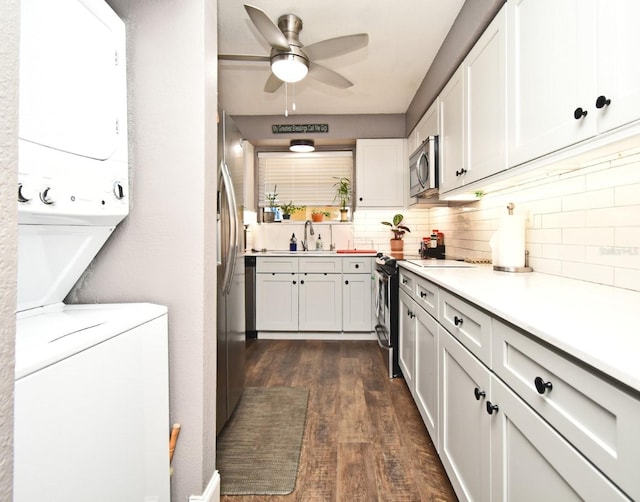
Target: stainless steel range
386	307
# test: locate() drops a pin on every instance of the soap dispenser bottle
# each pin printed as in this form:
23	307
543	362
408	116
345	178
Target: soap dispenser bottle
319	243
293	243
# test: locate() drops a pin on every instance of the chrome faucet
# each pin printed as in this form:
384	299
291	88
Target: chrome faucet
305	244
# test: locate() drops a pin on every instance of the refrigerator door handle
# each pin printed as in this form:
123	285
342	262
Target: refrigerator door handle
232	244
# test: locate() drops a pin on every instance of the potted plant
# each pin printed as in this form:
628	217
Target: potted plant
269	216
343	194
398	229
289	209
318	215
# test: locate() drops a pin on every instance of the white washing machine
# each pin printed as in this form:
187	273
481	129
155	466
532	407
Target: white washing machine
91	391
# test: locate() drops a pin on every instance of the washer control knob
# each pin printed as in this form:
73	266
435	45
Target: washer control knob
24	194
46	196
118	190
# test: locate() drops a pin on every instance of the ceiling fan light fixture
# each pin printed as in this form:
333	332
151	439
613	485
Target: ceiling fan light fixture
289	67
302	145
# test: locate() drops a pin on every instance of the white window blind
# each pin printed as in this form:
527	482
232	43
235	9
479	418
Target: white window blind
304	179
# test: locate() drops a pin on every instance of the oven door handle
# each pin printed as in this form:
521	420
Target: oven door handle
383	341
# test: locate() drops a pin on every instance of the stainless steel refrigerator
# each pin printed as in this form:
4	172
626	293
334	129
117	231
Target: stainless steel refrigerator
231	294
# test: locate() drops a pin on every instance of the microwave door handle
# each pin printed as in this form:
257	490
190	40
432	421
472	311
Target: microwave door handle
419	171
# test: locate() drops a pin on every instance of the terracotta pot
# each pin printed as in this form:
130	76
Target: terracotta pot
317	217
396	244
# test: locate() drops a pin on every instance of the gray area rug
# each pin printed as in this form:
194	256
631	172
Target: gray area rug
259	448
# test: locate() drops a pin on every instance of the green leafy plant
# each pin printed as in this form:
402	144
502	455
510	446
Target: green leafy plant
343	191
397	227
290	208
272	197
326	214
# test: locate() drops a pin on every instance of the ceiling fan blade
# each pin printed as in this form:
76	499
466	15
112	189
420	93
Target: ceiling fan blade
336	46
242	57
327	76
272	84
267	28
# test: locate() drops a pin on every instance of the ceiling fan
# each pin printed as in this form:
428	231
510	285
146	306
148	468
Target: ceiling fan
290	60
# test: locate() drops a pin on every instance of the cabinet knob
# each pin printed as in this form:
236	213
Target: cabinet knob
479	393
301	281
346	282
294	282
491	407
602	101
579	113
542	386
461	172
404	281
423	294
410	314
357	265
360	199
457	320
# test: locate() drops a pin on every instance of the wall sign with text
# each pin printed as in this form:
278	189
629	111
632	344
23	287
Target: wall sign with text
301	128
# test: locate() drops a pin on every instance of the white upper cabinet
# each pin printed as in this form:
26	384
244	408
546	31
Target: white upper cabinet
381	172
428	126
618	39
485	107
451	142
558	67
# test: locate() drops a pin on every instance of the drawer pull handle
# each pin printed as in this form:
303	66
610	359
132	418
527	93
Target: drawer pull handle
479	393
491	408
457	320
542	386
423	294
410	314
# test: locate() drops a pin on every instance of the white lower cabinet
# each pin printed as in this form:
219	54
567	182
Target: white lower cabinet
407	339
465	428
320	302
512	419
311	294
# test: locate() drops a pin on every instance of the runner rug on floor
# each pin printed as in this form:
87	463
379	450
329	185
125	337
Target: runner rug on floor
259	448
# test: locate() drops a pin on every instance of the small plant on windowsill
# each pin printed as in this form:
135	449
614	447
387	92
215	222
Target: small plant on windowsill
318	215
289	209
398	229
343	194
271	197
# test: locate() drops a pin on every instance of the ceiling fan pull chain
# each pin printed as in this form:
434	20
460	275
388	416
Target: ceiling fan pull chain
286	101
293	106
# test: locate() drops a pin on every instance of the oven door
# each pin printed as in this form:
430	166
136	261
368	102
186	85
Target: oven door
383	316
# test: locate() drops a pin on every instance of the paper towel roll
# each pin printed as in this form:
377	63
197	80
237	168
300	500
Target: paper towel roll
509	242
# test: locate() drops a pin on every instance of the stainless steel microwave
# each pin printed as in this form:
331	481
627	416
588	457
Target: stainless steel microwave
423	169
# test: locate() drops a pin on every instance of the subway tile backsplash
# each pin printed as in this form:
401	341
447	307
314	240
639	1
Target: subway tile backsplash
583	224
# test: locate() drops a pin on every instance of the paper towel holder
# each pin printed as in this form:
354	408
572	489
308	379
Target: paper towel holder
526	267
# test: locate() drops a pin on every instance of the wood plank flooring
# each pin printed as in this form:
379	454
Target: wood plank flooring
364	438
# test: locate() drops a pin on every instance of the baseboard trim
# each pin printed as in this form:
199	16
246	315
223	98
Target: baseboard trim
293	335
211	492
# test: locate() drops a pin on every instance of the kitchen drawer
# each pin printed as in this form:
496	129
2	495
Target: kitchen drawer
322	265
601	420
354	265
407	281
469	325
426	295
280	264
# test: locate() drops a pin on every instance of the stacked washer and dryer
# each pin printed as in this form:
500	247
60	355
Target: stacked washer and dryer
91	389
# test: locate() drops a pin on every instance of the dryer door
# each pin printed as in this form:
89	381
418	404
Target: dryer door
71	61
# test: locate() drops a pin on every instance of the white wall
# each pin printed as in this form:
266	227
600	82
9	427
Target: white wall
584	224
164	251
9	38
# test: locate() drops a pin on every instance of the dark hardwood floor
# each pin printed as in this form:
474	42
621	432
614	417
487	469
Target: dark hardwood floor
364	438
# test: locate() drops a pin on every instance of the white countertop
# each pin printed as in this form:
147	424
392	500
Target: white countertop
597	324
311	253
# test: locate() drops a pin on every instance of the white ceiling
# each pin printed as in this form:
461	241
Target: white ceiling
404	37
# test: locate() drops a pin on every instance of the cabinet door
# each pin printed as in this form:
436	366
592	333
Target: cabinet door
451	141
381	172
428	125
530	461
550	73
464	422
485	75
407	339
320	299
277	302
357	307
618	70
426	371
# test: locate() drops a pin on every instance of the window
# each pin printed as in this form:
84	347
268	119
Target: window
304	179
